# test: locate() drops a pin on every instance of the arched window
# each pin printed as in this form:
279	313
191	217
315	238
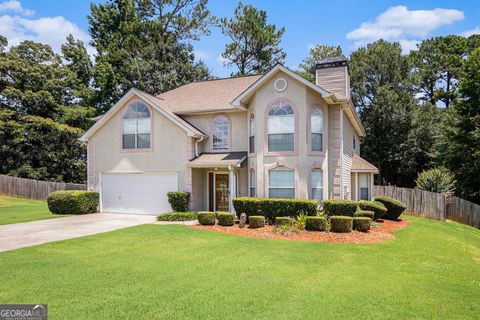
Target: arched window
221	128
281	128
136	127
281	183
316	127
251	134
317	185
252	183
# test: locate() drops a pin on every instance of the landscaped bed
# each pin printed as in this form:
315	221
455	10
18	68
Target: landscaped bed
381	231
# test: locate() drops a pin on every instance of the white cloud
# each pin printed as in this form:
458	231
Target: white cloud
15	6
201	55
221	60
48	30
468	33
403	25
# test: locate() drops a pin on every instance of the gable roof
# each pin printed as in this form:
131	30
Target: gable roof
208	95
152	101
361	165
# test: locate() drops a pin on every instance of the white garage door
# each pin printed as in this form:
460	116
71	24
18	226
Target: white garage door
138	193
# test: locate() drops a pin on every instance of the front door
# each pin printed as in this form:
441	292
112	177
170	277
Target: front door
222	192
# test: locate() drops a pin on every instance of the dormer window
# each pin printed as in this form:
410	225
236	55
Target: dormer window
221	133
136	127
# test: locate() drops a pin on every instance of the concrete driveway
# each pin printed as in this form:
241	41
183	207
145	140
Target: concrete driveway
26	234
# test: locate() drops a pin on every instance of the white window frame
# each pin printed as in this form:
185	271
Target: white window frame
316	112
282	187
252	183
292	131
221	128
137	133
315	187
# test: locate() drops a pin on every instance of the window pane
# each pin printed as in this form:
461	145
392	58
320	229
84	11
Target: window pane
143	140
363	193
317	179
252	192
143	125
251	144
317	121
280	109
129	126
281	124
317	141
363	180
283	178
252	127
281	193
317	194
136	111
280	142
220	133
128	141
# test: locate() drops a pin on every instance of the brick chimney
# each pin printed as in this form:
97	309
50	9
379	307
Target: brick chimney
332	75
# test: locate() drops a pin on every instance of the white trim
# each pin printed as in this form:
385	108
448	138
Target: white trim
371	186
133	91
100	191
374	171
356	186
342	187
324	93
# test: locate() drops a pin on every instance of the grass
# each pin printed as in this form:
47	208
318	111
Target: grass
15	210
430	271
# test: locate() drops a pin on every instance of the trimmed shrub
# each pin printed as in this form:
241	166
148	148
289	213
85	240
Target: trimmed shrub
279	221
178	200
272	208
341	224
206	218
177	216
362	224
340	207
394	207
377	207
73	202
226	218
256	222
364	213
316	224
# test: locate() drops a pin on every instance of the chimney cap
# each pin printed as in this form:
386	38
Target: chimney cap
331	62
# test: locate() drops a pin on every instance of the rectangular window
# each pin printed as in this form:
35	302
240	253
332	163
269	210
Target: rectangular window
251	144
317	141
252	183
281	133
281	183
363	182
317	185
251	136
136	133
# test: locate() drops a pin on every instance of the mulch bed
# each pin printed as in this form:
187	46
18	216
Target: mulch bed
382	232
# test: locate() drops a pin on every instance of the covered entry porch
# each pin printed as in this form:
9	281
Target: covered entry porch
362	178
215	180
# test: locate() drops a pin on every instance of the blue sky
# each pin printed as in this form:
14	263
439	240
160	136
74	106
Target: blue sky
347	23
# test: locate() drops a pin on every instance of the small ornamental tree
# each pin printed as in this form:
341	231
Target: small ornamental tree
439	180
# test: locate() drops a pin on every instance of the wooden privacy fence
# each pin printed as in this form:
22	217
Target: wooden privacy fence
33	189
434	205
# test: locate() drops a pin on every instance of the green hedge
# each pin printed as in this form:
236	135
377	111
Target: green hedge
177	216
178	200
364	213
340	207
362	224
256	222
316	224
283	221
73	202
394	207
226	218
377	207
272	208
206	218
341	224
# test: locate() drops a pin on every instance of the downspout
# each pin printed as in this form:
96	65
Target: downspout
196	145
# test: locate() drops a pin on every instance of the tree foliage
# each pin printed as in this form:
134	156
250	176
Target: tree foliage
254	46
316	53
144	44
439	180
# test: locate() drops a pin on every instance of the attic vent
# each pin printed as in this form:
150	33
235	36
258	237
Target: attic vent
280	84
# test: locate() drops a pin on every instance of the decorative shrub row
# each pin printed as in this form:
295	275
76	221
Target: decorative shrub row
272	208
256	222
178	200
283	221
340	207
362	224
364	213
73	202
177	216
206	218
377	207
341	224
316	224
394	207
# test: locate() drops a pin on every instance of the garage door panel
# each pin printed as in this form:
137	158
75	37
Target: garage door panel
138	193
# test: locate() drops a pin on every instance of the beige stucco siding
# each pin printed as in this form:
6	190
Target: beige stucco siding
170	150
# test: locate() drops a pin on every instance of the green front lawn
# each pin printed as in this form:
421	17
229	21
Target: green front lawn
430	271
14	210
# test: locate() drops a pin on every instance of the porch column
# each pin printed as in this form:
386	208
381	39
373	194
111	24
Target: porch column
371	186
356	186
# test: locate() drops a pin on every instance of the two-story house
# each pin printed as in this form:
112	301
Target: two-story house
275	135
